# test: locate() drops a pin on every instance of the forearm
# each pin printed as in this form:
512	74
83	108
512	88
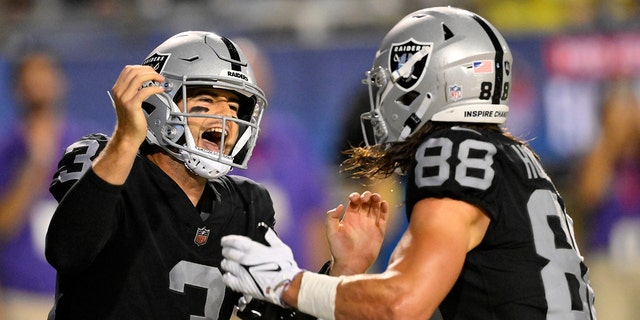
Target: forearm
114	164
356	297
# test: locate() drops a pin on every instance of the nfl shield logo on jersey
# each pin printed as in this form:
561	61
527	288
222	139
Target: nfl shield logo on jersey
202	235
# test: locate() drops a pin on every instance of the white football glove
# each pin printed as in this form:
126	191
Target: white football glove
258	270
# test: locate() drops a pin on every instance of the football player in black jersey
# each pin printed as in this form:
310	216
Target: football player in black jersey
137	231
488	235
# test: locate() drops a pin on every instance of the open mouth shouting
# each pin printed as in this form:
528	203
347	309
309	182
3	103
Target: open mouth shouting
211	139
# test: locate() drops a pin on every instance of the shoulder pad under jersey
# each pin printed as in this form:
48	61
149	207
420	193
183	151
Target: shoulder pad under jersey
75	162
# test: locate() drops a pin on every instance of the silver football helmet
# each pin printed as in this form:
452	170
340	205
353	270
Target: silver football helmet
202	59
440	64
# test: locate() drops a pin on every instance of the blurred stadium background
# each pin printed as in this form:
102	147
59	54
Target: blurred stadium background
319	51
564	52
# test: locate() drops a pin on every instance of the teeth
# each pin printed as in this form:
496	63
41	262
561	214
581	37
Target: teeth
205	150
214	135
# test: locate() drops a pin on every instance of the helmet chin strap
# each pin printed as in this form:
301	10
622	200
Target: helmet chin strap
414	119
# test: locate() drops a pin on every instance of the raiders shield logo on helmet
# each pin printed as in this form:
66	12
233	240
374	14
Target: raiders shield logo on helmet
401	54
157	61
202	235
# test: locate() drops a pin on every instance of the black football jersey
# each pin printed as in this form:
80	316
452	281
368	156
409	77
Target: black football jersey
142	250
528	265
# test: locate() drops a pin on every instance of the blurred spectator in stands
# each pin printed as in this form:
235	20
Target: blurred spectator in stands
28	153
15	10
608	190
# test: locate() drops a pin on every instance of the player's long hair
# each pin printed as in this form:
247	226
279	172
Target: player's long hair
383	160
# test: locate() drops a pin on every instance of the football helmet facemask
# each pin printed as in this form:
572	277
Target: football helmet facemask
440	64
202	59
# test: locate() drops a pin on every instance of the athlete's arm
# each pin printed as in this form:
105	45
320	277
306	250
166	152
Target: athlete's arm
84	219
82	223
114	163
425	265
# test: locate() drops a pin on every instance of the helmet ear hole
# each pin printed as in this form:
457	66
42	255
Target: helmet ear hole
408	98
446	32
174	132
148	107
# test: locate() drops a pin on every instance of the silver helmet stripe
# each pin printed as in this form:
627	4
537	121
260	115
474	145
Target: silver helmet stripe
497	92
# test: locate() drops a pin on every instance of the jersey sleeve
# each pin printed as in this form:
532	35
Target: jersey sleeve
85	216
457	163
75	162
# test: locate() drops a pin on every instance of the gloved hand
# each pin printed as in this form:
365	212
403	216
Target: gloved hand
258	270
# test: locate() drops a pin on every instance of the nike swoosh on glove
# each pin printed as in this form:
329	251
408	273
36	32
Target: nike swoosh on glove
258	270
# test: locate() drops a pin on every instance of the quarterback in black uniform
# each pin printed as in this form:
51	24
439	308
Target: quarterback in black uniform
137	231
488	235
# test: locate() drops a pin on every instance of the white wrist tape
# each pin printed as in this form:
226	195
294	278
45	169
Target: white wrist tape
317	295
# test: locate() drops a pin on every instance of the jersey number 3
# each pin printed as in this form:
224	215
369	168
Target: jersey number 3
199	275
